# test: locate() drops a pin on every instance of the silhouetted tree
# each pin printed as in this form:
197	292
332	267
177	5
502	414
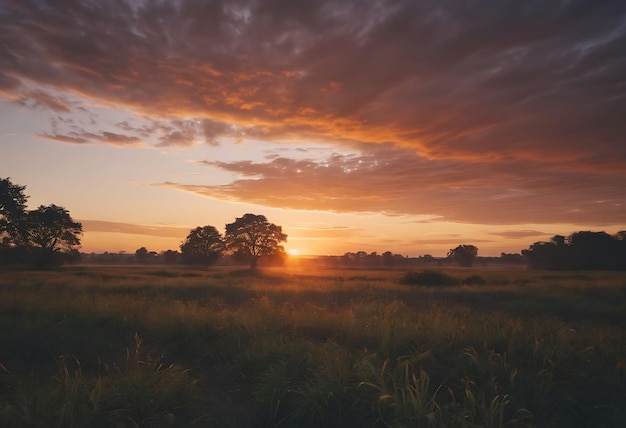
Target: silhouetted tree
253	236
388	259
427	259
141	255
580	250
12	212
548	255
203	246
372	259
541	255
170	257
47	235
464	255
50	230
348	259
593	250
511	258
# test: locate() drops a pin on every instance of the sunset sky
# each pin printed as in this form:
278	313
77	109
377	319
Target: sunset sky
409	126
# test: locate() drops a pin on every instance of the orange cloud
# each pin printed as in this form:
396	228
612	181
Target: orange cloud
90	226
395	180
503	115
84	137
43	99
467	90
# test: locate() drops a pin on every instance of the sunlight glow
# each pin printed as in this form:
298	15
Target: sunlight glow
292	252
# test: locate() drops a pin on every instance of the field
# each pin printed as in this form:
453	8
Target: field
151	346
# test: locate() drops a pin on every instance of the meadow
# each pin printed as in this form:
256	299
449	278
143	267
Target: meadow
148	346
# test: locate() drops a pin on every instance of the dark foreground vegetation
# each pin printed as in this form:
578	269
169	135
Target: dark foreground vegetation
583	250
152	347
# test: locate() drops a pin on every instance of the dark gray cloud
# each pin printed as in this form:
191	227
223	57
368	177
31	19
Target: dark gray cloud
519	233
521	102
84	137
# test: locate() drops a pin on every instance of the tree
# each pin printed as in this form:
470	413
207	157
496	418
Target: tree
464	255
253	236
12	211
141	255
512	258
388	259
203	246
580	250
50	229
170	257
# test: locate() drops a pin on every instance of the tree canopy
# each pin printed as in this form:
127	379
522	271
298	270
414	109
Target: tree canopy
51	228
580	250
203	246
12	210
142	254
464	255
253	236
34	236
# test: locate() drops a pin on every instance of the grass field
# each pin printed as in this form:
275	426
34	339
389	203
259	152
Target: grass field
152	346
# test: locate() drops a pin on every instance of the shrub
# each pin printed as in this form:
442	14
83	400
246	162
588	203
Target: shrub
428	277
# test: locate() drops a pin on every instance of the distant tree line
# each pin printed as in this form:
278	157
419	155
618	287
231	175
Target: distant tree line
41	237
362	258
579	251
48	236
583	250
463	255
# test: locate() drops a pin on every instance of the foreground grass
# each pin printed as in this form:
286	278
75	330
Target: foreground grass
148	347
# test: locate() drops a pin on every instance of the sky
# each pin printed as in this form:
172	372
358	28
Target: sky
403	126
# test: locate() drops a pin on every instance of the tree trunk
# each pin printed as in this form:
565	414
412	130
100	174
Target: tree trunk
253	262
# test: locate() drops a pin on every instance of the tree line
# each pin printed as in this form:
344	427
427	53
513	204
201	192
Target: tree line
463	255
583	250
48	235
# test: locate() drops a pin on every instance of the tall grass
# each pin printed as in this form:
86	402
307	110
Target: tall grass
151	347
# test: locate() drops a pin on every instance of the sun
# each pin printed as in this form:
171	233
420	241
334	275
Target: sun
293	252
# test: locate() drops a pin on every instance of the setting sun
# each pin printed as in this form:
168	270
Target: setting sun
292	252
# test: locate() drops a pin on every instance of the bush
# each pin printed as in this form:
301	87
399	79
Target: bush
428	277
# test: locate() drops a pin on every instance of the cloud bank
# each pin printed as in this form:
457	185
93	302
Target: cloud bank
506	113
397	181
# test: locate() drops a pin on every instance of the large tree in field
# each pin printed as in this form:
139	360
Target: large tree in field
464	255
203	246
49	230
252	236
38	235
12	211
